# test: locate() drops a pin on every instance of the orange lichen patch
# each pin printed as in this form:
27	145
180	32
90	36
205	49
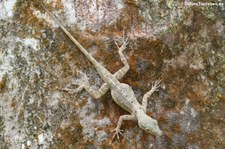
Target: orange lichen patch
122	144
76	104
131	2
129	15
24	11
2	84
70	135
63	48
103	54
176	128
146	62
205	143
57	5
199	92
25	14
221	97
73	53
176	88
193	138
162	120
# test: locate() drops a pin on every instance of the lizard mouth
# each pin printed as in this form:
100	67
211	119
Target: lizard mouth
156	133
159	133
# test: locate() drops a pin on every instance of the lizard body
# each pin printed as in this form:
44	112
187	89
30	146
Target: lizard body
121	93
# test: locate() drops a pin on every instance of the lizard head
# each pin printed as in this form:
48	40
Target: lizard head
149	124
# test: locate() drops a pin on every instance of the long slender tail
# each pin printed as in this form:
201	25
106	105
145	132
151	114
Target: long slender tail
83	50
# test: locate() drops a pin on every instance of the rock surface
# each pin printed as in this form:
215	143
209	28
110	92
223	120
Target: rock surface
183	44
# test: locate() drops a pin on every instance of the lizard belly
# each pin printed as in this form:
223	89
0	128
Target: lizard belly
124	96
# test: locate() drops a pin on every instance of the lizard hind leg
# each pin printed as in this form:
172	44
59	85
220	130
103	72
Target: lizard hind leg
96	94
84	84
120	73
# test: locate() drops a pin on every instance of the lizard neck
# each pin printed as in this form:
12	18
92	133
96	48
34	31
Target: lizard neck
139	113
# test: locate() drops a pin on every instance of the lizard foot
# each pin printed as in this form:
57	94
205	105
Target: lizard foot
156	85
117	133
74	91
124	44
123	47
79	89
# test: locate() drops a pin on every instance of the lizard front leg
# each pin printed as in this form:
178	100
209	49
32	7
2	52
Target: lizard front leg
155	86
119	74
117	129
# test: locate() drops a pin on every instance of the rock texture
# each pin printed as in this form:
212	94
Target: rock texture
183	44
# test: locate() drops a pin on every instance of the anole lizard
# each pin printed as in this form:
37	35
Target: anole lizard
121	93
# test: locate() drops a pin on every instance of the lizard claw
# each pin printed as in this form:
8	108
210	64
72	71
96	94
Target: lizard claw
125	42
156	85
124	45
117	133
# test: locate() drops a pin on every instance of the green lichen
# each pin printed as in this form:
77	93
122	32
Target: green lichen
169	3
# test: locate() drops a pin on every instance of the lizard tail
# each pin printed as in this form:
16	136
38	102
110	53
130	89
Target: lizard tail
82	49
